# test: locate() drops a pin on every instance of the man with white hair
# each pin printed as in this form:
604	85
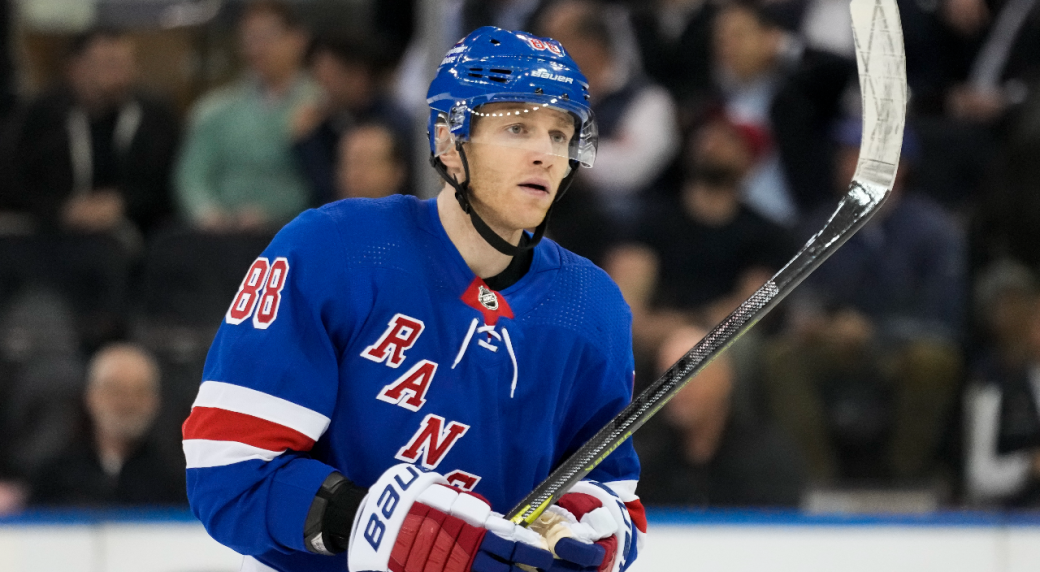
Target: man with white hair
116	461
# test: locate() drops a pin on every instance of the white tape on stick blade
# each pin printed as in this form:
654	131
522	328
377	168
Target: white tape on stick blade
882	82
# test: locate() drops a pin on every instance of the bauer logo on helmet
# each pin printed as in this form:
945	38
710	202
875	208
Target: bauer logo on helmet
548	75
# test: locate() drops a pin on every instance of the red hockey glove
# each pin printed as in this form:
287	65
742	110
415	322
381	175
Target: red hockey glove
412	521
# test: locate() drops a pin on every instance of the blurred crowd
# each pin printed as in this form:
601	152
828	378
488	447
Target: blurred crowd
907	366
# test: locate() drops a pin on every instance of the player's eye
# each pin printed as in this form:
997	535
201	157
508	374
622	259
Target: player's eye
515	129
559	137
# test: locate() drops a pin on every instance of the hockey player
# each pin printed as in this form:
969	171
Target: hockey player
391	372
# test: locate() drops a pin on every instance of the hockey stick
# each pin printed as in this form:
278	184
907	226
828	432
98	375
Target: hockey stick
882	77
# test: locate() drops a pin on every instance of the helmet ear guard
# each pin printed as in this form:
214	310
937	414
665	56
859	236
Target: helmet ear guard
442	139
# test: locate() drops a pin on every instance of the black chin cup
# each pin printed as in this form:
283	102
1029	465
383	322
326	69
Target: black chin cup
492	238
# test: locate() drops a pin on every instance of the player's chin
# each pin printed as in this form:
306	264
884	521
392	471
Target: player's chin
528	200
530	217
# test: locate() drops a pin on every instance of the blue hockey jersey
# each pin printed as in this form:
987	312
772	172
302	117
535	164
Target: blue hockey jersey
360	339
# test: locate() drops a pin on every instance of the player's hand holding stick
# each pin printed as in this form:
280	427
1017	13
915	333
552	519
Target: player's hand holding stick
586	530
882	74
413	521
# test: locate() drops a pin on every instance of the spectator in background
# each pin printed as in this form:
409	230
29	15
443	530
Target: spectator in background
983	66
749	57
90	166
675	39
1002	400
867	375
700	257
767	78
813	96
41	388
991	51
697	453
638	129
94	155
236	171
1005	296
352	74
1006	217
117	461
371	163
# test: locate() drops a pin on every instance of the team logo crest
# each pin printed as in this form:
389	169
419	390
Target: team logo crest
487	298
489	303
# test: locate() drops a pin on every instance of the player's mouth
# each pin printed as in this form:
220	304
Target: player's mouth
537	185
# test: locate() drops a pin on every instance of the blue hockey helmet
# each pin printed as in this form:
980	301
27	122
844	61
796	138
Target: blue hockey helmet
493	65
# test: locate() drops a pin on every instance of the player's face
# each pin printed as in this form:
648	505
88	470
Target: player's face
518	157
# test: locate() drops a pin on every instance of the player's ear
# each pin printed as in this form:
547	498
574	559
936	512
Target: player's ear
447	152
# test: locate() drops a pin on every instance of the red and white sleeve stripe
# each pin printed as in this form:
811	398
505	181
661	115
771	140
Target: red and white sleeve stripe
230	424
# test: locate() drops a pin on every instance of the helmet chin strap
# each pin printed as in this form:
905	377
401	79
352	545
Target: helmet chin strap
485	231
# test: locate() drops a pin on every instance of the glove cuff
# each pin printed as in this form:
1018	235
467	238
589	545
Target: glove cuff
331	515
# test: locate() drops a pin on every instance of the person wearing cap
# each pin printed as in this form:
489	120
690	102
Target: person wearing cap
699	256
395	374
867	376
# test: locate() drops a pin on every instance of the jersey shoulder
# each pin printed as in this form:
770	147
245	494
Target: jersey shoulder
371	214
377	232
584	298
371	230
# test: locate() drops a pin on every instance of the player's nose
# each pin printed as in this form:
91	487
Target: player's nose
543	151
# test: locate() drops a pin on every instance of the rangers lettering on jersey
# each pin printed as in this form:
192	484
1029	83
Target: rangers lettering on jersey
432	441
409	390
401	334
